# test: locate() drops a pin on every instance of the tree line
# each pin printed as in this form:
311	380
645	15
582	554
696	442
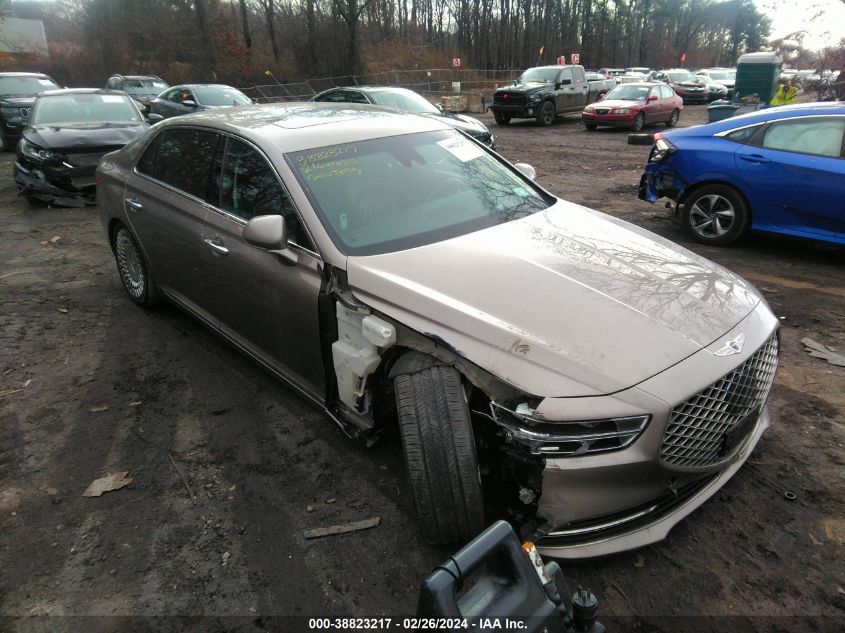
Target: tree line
235	41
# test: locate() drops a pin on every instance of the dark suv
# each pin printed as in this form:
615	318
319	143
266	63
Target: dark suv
17	94
687	86
142	88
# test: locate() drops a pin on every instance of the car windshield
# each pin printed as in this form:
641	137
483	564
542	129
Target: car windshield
406	101
218	96
721	74
545	75
84	108
680	76
628	93
390	194
25	86
143	86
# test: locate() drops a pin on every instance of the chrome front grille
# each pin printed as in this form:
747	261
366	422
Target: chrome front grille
25	113
711	426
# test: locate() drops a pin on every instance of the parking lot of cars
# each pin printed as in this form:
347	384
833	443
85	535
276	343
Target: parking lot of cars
229	468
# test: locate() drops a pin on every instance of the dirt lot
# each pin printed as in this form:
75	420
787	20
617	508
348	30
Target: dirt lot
90	384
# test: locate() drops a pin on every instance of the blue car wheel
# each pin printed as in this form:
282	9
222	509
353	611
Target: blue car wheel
715	214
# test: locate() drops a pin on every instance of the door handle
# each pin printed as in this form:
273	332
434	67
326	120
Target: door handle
754	158
216	246
133	202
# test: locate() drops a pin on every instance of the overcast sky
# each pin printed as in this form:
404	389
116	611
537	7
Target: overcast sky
824	20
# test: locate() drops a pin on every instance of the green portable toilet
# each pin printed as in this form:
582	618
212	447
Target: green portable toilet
757	77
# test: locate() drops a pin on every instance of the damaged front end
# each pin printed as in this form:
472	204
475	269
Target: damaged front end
660	178
56	176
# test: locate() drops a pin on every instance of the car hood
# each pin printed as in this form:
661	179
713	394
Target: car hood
687	85
565	302
17	102
619	103
527	87
461	122
83	134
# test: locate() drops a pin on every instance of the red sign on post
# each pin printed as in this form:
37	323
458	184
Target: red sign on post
456	62
576	58
561	61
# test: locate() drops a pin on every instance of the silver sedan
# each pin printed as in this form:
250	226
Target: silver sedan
545	362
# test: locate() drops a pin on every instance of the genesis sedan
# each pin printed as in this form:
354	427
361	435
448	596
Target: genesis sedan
542	361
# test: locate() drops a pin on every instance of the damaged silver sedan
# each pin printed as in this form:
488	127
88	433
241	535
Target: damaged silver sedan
587	380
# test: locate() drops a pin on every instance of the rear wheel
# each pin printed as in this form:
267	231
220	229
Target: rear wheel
673	120
133	269
639	122
546	113
501	118
591	127
715	214
440	457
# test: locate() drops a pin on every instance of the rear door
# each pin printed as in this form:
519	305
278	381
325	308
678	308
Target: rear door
165	202
264	302
794	174
572	90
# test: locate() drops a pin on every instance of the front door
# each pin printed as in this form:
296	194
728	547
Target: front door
264	302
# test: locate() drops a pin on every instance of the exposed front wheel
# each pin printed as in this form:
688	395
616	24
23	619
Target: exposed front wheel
715	214
133	269
639	122
440	457
673	119
546	113
501	118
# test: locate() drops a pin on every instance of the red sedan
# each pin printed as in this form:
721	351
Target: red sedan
634	106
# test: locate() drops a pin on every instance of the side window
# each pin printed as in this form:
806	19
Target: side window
565	77
334	96
743	135
353	96
822	137
184	160
147	164
173	96
249	187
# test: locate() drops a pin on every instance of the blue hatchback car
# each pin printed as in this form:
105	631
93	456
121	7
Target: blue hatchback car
779	169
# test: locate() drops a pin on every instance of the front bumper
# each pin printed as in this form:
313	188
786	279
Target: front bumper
56	183
598	504
515	111
613	120
694	97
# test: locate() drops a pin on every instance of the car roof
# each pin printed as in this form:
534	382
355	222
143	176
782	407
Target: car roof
81	91
300	125
17	74
762	116
224	86
645	84
137	77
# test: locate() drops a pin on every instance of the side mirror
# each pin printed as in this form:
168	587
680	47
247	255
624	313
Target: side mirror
269	232
652	98
154	118
189	103
439	106
526	170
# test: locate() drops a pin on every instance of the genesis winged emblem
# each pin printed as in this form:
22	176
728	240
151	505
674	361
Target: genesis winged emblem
733	346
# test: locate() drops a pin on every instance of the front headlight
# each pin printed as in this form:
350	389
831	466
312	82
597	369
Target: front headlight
589	108
621	110
34	152
661	150
534	98
566	438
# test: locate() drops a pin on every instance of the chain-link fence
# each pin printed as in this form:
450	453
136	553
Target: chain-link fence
433	80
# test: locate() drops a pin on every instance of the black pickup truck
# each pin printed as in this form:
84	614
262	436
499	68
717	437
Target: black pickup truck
544	93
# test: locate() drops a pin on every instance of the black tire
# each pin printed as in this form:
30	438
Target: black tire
440	458
673	119
132	268
591	127
546	114
641	139
501	118
715	215
3	142
639	122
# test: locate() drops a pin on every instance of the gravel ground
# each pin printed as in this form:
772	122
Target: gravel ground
228	467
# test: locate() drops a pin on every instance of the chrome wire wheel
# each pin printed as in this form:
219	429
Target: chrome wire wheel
712	216
130	264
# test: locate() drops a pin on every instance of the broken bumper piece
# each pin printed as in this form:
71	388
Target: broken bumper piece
66	186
